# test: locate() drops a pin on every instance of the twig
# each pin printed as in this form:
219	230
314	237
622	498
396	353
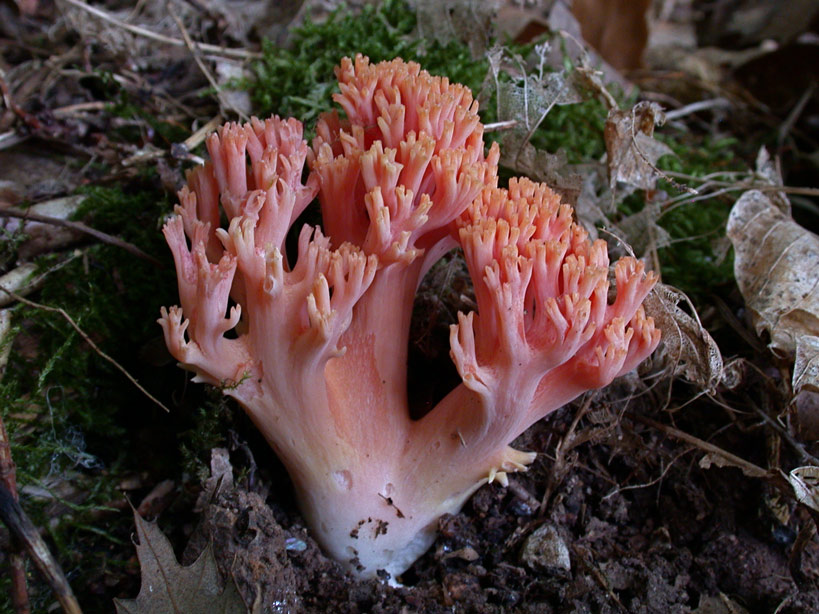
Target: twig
587	560
8	478
498	126
10	139
762	187
240	54
804	455
793	116
73	109
89	341
803	538
696	107
563	446
19	525
747	467
194	140
197	58
8	211
29	119
659	478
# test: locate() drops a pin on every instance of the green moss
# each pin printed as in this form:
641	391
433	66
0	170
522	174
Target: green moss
72	417
299	81
575	128
695	261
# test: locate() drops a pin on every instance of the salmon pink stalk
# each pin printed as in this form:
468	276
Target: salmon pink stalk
317	348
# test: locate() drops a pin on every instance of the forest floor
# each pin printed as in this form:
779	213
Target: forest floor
687	487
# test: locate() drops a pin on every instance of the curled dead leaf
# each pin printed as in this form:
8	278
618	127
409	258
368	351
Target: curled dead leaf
690	350
631	147
776	266
467	21
805	484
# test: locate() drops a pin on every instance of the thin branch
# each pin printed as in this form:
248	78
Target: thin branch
658	479
804	455
189	43
21	527
8	211
8	478
80	107
747	467
696	107
241	54
793	116
498	126
566	443
88	340
763	187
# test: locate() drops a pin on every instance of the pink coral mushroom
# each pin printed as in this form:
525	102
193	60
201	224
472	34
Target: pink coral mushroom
318	352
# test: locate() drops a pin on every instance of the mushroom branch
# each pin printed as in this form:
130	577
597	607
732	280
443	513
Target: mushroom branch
315	350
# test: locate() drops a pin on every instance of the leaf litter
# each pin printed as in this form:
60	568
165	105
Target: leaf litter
168	587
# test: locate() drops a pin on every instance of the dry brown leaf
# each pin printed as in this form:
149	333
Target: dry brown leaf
776	266
467	21
768	172
717	460
169	588
616	28
805	483
641	230
527	99
552	169
806	365
691	351
631	147
592	209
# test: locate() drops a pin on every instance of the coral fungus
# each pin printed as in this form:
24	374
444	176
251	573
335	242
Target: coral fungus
318	352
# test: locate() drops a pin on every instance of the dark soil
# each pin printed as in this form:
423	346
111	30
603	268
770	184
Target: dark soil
649	532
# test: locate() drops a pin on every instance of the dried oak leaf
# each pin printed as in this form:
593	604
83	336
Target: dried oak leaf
776	266
631	147
692	352
169	588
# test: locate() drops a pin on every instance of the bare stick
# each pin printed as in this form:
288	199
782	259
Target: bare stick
498	126
89	341
696	107
19	525
198	59
17	566
8	211
747	467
